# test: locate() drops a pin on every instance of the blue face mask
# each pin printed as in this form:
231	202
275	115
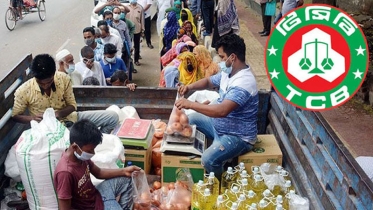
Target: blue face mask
98	40
122	16
109	22
84	156
224	68
133	1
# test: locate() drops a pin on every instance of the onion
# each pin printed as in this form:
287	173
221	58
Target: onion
184	120
171	186
156	157
157	185
174	118
169	130
177	127
187	131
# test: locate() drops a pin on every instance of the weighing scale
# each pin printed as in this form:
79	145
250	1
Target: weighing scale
176	143
135	133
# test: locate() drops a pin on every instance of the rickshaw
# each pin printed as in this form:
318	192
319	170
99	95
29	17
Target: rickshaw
29	6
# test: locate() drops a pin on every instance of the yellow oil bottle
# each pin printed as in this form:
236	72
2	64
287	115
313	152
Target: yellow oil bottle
206	200
233	193
213	184
221	203
258	184
228	178
253	206
264	205
287	188
252	197
197	190
241	202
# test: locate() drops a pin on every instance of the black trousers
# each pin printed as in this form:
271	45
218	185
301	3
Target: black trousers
148	32
266	19
136	43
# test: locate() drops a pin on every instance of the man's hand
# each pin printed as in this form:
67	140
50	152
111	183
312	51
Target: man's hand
131	86
38	117
108	81
183	103
131	169
183	90
197	16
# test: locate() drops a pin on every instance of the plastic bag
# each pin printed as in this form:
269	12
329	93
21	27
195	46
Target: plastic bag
184	178
178	124
178	198
270	176
270	8
141	191
202	96
298	202
11	166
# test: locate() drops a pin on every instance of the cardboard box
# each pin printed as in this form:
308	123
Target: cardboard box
140	158
171	164
266	150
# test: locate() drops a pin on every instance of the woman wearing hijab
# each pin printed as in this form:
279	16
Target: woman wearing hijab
169	32
226	20
188	27
172	53
181	37
205	63
177	8
186	15
163	5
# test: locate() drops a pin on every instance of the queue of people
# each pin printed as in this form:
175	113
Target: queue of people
230	122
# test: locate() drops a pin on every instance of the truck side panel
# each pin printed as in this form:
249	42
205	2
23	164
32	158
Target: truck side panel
322	167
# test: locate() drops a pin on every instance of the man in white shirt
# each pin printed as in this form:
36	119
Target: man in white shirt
107	37
146	4
66	65
88	67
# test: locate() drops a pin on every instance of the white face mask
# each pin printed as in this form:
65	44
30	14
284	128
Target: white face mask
116	16
84	156
110	60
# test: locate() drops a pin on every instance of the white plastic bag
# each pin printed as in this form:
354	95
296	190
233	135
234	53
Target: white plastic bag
107	154
202	96
125	112
11	166
270	176
298	202
38	151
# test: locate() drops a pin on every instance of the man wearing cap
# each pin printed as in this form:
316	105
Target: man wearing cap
110	63
66	64
51	89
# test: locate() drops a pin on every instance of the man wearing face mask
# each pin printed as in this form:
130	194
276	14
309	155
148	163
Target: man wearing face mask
72	181
53	89
89	35
231	122
108	18
110	63
136	15
88	67
66	65
109	5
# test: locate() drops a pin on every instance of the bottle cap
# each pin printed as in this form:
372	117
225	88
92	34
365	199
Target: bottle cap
230	170
279	168
251	193
235	189
253	205
220	198
256	170
288	183
244	173
244	182
200	182
207	191
212	174
262	203
266	193
279	199
257	177
234	205
279	207
242	165
242	197
129	163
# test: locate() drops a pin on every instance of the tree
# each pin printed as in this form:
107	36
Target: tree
330	2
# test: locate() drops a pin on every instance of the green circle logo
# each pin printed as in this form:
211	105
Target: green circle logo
316	57
258	149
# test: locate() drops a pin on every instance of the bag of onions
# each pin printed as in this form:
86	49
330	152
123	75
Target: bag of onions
141	192
178	124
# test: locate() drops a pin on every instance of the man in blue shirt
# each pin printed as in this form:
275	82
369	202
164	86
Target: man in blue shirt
110	62
232	121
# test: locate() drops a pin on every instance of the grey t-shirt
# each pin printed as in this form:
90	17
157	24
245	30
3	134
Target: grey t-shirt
288	5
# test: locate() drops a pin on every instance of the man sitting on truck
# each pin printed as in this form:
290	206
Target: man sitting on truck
51	89
72	181
231	122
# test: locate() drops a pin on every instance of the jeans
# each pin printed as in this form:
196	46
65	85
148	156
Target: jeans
112	188
208	14
106	120
171	76
266	19
148	32
278	17
223	148
136	44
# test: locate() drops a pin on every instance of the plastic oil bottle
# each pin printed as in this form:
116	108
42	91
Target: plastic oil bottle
286	203
284	174
252	197
221	203
241	202
213	184
239	168
267	194
206	200
228	178
258	184
287	187
197	190
254	171
233	193
234	206
279	207
244	185
243	175
253	206
281	201
264	205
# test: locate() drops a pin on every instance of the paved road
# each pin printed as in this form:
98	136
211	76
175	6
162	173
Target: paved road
62	27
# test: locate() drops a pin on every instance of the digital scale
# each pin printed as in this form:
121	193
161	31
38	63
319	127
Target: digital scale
176	143
135	133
